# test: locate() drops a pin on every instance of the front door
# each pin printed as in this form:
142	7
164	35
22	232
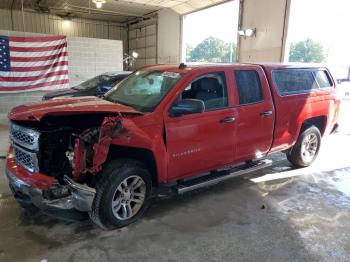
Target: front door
202	141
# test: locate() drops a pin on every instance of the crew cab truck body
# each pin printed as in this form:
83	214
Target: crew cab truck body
166	126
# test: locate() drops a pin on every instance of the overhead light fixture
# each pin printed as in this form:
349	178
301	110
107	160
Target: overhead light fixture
66	19
249	32
99	3
67	22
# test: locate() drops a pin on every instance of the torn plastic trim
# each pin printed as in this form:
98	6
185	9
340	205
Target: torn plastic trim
110	127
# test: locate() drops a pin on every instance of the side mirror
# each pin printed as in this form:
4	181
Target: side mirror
187	106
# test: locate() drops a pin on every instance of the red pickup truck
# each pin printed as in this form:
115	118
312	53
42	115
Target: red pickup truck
166	127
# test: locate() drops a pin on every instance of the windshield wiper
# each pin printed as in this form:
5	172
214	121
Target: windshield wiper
121	103
78	88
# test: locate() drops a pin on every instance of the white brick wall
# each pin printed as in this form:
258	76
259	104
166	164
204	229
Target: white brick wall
89	57
169	45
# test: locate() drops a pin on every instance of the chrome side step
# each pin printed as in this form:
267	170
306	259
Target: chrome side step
215	178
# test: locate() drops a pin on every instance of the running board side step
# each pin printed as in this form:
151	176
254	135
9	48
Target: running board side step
217	177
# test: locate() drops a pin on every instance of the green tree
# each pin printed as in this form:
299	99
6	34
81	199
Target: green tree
308	51
212	50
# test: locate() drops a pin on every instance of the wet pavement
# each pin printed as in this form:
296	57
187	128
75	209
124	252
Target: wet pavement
275	214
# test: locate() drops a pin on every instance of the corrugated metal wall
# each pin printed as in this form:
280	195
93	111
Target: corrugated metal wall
50	24
142	36
143	39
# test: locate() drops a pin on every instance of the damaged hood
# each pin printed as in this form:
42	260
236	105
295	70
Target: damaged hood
69	106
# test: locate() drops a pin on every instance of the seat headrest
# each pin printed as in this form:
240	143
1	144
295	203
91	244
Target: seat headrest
209	84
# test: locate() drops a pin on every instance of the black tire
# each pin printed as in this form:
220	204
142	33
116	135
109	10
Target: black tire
25	205
113	175
296	155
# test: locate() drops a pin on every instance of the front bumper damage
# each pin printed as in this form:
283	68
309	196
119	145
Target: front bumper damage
80	197
61	192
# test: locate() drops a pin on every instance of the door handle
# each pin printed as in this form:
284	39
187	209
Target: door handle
266	113
228	120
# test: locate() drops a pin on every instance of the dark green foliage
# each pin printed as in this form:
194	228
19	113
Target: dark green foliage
212	50
307	51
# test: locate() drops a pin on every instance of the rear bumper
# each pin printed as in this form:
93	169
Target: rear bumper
29	189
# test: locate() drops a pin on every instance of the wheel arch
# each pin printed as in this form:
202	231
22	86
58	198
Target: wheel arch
143	155
319	121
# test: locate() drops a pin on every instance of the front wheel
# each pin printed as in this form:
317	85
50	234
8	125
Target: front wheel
122	194
306	149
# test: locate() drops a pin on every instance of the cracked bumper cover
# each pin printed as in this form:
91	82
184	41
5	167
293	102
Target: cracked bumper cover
80	196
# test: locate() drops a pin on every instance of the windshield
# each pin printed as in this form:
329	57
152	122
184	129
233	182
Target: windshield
143	90
98	81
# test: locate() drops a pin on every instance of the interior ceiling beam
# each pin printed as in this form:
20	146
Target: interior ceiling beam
70	6
59	11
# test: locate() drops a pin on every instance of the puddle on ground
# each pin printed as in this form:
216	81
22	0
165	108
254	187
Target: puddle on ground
342	184
281	168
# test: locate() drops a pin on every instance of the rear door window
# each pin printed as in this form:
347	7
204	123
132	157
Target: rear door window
248	86
293	81
322	78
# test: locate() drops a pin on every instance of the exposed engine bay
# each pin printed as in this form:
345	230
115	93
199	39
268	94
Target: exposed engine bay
69	149
72	146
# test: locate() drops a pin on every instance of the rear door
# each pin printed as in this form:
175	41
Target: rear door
255	113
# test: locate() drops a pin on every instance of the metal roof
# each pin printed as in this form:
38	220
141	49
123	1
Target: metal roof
112	10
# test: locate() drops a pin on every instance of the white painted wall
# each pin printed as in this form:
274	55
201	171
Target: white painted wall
270	18
90	57
169	37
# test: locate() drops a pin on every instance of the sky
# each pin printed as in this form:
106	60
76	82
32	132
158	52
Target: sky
327	21
220	21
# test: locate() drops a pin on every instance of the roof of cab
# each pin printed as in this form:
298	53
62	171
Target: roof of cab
189	67
273	66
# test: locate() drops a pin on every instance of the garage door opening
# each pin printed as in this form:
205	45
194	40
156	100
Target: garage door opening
210	35
318	34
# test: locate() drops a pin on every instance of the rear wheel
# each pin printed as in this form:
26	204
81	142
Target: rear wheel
122	194
305	150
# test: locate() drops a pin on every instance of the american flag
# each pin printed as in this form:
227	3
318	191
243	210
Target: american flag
33	63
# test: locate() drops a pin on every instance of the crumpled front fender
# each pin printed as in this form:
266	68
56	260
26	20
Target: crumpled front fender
109	128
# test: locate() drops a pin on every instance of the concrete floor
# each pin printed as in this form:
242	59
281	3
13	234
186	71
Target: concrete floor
276	214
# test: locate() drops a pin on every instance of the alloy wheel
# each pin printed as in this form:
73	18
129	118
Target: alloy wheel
128	197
